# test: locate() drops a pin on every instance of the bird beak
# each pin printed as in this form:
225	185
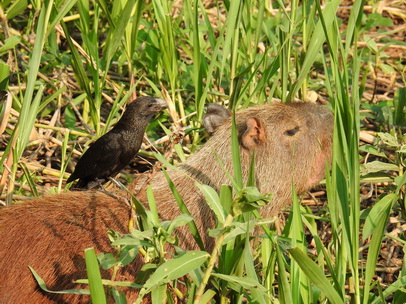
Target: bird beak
161	103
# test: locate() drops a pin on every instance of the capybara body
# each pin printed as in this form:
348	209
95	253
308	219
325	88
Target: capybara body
50	234
291	143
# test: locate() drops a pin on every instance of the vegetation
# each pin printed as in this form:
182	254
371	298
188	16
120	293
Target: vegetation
69	66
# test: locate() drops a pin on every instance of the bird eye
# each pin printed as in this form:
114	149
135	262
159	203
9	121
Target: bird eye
292	132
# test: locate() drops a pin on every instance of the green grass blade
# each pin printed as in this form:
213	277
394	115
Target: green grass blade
377	218
400	104
257	296
30	107
299	284
284	287
43	286
315	44
30	181
117	34
80	73
61	12
326	255
183	208
152	205
398	285
235	149
93	273
353	22
316	275
232	25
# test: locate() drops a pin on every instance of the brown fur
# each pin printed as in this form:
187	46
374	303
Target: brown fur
291	142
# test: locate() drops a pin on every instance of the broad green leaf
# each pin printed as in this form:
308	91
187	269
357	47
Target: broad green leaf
134	241
128	254
4	76
238	229
216	232
152	206
118	295
400	181
9	43
371	44
372	150
106	260
388	139
158	294
252	194
250	199
178	221
244	282
213	200
299	282
386	68
377	166
400	104
207	296
175	268
226	197
258	296
16	8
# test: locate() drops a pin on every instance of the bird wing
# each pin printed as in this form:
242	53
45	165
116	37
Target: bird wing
100	158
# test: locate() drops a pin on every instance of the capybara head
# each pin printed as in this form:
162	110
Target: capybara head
291	143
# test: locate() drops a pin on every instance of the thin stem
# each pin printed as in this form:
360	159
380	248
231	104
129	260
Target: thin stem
212	260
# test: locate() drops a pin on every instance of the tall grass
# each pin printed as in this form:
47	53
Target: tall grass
244	52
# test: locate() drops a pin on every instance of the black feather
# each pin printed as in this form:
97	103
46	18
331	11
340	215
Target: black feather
108	155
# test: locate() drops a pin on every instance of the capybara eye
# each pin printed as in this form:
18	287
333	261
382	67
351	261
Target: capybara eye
292	132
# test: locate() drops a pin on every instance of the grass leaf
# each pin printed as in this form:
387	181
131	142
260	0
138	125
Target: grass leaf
316	275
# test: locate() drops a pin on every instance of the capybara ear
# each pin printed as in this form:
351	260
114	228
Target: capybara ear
215	116
255	134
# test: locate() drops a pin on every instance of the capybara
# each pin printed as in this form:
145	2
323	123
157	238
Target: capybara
292	142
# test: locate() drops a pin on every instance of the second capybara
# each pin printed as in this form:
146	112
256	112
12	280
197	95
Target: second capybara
292	142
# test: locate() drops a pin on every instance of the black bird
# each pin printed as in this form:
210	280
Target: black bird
108	155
